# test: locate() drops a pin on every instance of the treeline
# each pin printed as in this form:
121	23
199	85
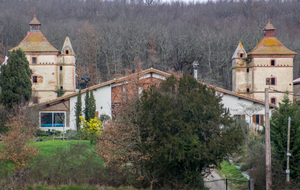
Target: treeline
112	36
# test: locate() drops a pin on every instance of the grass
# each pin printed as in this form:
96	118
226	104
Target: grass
231	172
48	148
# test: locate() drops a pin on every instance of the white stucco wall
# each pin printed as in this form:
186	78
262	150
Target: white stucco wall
103	103
237	106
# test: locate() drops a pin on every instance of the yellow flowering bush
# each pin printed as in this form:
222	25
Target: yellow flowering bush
91	129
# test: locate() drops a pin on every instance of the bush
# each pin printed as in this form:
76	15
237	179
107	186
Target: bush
73	135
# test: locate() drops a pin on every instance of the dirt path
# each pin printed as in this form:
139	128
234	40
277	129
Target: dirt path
214	181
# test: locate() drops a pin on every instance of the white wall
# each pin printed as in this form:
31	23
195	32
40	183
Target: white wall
238	106
103	99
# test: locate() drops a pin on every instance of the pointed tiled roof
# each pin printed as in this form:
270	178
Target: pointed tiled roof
35	21
238	50
270	45
68	44
35	41
269	26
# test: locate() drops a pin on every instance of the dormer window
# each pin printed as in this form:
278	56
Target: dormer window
241	55
67	52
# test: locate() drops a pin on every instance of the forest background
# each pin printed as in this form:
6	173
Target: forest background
110	36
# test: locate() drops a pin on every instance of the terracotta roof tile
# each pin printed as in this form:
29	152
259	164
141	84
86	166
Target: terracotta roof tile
271	46
35	21
35	41
145	72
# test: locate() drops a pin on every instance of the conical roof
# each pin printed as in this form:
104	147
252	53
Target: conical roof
67	45
238	50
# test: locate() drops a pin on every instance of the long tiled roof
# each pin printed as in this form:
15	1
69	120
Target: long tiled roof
151	70
35	41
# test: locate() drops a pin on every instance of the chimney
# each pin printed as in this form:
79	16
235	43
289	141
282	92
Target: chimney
195	66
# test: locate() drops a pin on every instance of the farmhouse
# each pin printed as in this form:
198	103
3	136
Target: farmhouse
59	113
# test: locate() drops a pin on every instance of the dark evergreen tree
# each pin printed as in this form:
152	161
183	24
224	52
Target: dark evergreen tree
78	111
184	128
15	80
90	105
87	105
278	124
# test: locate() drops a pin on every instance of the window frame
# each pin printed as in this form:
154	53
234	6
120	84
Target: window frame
274	62
53	125
275	81
36	79
273	98
36	61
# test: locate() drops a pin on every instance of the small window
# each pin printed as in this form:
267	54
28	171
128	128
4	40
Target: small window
67	52
61	87
258	119
247	70
243	116
241	55
35	100
34	79
248	90
60	68
272	62
34	60
273	81
273	100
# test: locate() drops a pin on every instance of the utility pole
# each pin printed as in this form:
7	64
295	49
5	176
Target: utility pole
268	142
288	154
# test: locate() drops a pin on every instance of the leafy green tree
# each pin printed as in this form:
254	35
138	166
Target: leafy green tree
15	80
78	111
279	123
184	128
90	105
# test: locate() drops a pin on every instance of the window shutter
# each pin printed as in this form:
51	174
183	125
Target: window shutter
254	118
244	116
261	120
267	81
97	114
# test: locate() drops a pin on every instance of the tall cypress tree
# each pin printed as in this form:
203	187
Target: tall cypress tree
15	80
87	105
78	111
90	105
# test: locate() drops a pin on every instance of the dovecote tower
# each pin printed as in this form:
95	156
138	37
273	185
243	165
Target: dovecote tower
268	65
52	70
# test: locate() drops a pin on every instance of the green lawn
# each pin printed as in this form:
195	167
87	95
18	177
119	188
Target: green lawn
48	148
231	172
